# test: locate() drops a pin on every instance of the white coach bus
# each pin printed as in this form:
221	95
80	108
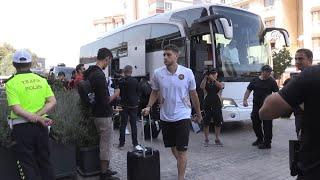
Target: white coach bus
229	39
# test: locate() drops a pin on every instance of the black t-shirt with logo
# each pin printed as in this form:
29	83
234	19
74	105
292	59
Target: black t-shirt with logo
261	89
305	88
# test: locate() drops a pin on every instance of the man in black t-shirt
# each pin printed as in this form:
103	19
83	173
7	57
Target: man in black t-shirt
129	91
303	59
102	110
305	89
261	86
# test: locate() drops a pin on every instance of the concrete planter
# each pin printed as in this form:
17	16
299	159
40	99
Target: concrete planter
63	158
88	161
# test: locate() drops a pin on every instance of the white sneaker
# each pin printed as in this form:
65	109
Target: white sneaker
206	143
127	131
138	147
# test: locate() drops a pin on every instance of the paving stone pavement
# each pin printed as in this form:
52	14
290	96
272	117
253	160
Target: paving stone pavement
236	160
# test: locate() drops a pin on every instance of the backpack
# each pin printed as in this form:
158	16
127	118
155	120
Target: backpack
87	96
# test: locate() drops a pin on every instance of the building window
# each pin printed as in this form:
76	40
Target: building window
244	6
160	4
269	23
167	6
315	18
268	3
316	48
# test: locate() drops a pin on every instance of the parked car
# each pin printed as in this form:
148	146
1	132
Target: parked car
67	71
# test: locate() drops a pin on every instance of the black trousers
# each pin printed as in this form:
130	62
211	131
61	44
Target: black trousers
132	114
214	112
32	151
263	133
298	114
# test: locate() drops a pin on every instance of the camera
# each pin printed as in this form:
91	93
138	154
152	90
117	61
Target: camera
210	71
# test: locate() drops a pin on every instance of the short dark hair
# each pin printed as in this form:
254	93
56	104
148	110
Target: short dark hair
20	66
127	68
61	73
307	52
266	68
171	47
103	53
78	67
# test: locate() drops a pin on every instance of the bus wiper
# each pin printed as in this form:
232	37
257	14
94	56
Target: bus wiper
250	74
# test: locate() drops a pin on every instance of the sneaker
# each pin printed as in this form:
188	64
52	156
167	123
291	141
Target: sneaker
206	143
104	176
121	146
265	146
127	131
257	142
110	172
138	148
218	143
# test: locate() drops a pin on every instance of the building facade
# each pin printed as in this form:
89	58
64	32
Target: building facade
108	23
161	6
137	9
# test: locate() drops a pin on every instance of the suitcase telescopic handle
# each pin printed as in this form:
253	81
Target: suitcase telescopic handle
151	137
143	137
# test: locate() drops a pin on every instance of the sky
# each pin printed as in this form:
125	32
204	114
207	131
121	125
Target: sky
53	29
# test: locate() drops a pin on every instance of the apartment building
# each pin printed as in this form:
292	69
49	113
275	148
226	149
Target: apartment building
137	9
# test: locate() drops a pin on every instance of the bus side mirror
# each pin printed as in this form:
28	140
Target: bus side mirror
227	28
284	33
286	37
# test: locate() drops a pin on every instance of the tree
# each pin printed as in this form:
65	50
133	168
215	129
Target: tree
281	60
6	67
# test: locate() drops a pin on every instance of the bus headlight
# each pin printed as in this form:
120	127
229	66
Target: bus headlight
228	103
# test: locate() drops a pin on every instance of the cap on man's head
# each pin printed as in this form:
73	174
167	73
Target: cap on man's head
266	68
22	56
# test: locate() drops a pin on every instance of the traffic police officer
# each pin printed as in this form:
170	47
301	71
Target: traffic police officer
30	98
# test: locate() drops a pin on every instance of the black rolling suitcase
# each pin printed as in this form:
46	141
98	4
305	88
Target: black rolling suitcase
143	165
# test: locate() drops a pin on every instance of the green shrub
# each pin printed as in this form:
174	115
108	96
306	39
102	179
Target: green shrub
4	128
72	123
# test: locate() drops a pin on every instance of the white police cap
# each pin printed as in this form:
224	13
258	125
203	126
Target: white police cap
22	56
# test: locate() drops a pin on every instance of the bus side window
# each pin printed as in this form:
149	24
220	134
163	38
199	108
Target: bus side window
160	36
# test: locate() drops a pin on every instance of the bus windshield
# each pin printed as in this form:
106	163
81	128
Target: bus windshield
241	58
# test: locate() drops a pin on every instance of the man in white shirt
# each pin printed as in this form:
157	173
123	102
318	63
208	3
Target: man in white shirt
174	85
231	54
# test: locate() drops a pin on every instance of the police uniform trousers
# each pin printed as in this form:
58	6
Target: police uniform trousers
32	151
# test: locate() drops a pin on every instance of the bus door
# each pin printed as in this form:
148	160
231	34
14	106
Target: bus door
200	53
135	38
